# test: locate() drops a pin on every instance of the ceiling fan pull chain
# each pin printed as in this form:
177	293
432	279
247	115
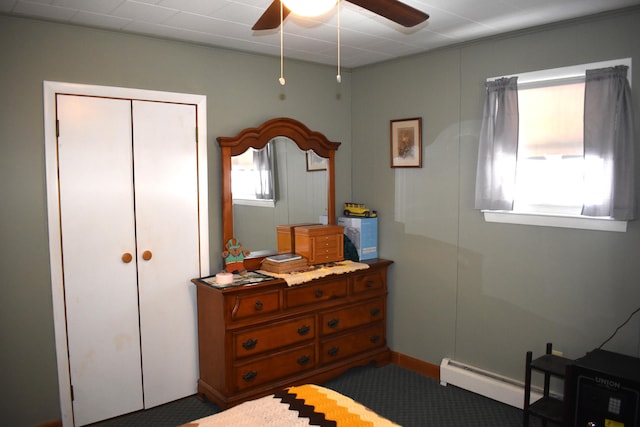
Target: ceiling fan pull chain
281	79
338	76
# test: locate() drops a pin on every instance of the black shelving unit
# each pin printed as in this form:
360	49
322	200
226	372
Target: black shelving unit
547	408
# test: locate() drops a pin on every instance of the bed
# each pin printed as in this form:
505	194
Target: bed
300	406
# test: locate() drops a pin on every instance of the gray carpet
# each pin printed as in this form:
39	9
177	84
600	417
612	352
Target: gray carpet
401	395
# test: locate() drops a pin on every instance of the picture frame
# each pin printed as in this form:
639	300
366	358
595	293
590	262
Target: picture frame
315	163
406	143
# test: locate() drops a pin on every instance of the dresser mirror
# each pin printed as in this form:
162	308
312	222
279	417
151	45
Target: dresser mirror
274	186
255	221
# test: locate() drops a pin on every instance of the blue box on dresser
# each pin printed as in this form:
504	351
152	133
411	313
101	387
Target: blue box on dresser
363	232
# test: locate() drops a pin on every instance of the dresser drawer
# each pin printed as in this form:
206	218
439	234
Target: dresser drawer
282	334
334	349
351	317
253	304
369	282
322	254
274	367
308	294
329	242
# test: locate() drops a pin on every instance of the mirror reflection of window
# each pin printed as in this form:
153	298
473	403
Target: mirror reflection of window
252	175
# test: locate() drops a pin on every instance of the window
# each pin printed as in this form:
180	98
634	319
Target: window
550	165
550	153
252	181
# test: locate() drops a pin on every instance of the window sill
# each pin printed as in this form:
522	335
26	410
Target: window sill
270	203
550	220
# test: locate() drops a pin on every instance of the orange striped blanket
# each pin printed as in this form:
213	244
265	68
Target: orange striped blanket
301	406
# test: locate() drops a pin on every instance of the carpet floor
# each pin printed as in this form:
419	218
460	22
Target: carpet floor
401	395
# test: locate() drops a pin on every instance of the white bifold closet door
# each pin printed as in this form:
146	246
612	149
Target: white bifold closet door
128	184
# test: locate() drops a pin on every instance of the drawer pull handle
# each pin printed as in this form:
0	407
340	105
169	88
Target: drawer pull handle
303	360
259	306
375	338
249	344
333	351
250	376
304	330
375	311
333	323
370	284
319	293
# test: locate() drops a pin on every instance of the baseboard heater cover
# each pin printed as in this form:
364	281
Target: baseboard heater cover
485	383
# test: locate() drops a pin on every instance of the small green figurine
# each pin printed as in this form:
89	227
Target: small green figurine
233	256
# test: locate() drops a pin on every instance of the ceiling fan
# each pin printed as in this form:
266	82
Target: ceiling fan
393	10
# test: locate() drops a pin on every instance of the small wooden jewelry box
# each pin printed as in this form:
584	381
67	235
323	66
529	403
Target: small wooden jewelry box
319	244
285	233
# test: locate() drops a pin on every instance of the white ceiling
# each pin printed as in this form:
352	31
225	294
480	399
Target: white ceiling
365	38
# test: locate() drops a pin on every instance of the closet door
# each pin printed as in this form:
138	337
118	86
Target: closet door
97	232
125	175
166	203
128	178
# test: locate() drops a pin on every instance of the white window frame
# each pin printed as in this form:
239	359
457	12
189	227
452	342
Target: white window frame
555	219
267	203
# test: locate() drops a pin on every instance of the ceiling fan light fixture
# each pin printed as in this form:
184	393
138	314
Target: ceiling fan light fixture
309	8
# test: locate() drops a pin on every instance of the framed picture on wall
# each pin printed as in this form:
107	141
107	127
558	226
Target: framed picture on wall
315	162
406	143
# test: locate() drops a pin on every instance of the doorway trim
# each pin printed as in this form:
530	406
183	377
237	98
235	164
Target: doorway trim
50	89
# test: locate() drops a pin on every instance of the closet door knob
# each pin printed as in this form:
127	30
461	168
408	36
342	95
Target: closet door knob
127	257
146	255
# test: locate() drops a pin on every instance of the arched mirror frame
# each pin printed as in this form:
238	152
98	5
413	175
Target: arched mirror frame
257	138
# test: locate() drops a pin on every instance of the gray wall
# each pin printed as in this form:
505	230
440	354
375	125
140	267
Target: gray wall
478	292
482	293
242	90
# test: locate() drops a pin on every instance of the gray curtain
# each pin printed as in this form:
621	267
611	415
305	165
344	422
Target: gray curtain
496	171
609	145
263	163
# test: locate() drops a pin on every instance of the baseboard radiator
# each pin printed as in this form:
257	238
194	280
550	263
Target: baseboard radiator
485	383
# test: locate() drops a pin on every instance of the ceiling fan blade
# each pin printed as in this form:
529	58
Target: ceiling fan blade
270	19
394	10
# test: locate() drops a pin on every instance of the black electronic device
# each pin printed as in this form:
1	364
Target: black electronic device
603	389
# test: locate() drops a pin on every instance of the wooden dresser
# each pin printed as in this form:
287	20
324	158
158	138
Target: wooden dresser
256	339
